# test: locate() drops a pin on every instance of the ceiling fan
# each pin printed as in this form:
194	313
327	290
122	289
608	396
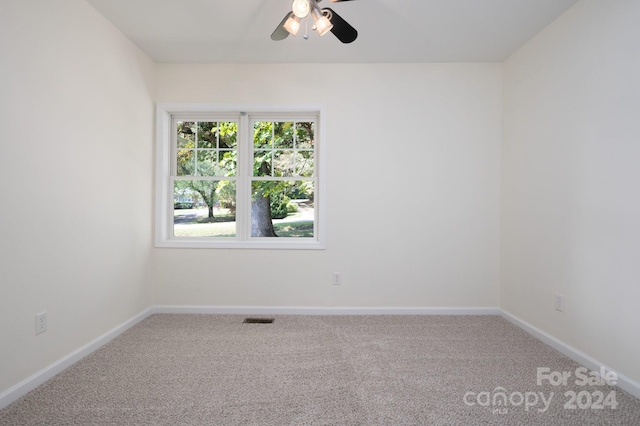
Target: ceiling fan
325	20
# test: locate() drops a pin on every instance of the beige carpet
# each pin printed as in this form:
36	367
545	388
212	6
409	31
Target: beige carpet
352	370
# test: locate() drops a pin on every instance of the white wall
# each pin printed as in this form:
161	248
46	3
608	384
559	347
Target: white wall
413	179
76	157
570	181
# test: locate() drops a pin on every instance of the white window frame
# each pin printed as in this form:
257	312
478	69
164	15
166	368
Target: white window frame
165	151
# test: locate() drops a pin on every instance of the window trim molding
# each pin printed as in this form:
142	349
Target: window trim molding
163	204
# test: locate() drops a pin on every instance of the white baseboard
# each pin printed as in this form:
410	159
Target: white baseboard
35	380
30	383
624	383
313	310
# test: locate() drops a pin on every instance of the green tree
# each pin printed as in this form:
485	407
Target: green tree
274	156
206	149
210	149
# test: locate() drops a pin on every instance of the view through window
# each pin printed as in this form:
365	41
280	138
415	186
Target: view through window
250	178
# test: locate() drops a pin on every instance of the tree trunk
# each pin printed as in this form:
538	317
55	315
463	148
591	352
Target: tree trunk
210	207
261	224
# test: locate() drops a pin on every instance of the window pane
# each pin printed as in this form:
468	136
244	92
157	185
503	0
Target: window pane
228	135
304	135
282	209
186	134
262	163
207	134
283	163
304	163
186	162
207	163
204	208
262	134
283	135
228	163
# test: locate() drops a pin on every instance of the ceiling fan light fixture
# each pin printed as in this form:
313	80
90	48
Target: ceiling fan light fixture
322	20
292	24
301	8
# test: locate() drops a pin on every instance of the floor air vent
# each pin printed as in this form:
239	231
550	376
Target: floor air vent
258	320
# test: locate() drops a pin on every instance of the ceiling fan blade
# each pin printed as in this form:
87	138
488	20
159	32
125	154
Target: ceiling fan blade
336	1
280	33
341	28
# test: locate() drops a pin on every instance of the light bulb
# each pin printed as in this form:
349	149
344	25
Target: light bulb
301	8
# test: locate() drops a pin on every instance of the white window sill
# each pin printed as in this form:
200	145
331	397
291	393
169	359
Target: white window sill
281	243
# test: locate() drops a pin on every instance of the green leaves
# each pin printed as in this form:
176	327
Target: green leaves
207	148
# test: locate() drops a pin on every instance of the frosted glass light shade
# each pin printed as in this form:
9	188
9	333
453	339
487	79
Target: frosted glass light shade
292	24
323	24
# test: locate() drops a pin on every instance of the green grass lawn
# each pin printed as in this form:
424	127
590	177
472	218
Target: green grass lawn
302	229
195	223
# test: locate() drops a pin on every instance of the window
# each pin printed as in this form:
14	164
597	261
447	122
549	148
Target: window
239	177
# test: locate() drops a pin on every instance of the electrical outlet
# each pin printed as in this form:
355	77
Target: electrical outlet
559	302
41	322
337	278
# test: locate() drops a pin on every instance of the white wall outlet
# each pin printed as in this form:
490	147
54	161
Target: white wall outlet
41	322
337	278
559	302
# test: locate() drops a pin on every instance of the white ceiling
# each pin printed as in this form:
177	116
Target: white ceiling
238	31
